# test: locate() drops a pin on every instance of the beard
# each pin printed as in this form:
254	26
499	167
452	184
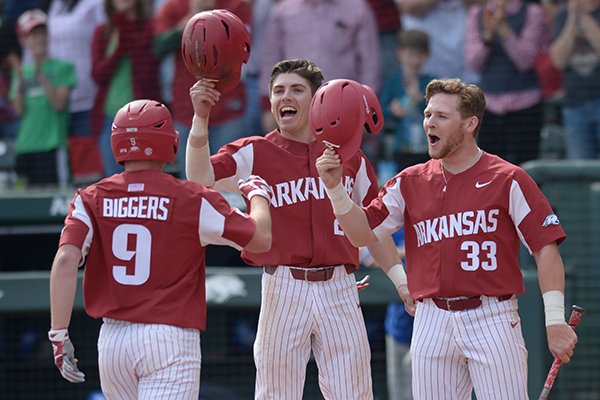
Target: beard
454	141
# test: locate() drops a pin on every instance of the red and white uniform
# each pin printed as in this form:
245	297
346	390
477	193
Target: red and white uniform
462	239
297	316
144	235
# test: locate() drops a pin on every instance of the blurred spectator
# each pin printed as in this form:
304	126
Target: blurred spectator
387	15
123	66
502	42
167	65
40	96
402	96
71	25
10	46
576	51
444	22
550	77
12	9
552	143
338	35
227	117
261	9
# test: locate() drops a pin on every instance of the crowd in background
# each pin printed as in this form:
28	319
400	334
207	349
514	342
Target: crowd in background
537	61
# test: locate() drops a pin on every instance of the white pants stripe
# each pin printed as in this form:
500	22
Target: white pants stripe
325	317
455	351
148	361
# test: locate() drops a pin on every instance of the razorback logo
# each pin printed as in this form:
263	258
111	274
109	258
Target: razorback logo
551	219
221	288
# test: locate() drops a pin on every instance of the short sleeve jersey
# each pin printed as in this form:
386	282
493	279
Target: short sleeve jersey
305	231
144	234
464	240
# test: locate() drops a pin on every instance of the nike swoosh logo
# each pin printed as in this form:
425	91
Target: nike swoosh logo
513	324
480	185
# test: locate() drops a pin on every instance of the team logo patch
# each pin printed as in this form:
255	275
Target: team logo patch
551	219
221	288
148	151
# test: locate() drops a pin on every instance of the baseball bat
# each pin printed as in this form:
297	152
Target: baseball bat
574	319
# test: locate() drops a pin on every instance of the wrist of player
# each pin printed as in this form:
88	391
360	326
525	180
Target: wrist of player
554	307
397	275
64	355
199	127
340	201
254	186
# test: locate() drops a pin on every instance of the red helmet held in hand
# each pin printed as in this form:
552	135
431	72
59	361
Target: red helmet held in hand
214	45
340	110
143	130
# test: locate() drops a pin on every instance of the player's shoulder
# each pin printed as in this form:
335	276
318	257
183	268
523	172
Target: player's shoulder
419	170
245	142
502	168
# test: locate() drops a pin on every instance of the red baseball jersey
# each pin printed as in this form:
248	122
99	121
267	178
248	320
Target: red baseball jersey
144	234
462	237
305	231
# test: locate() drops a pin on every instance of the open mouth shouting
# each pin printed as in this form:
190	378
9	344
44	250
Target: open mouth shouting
433	139
287	112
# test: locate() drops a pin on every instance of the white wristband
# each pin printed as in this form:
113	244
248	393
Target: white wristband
397	275
340	201
554	307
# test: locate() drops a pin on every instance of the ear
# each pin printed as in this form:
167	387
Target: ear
471	123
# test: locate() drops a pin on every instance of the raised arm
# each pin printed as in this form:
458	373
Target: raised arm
551	276
197	161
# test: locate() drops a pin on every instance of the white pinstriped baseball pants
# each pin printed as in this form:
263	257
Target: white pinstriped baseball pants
148	361
454	351
297	316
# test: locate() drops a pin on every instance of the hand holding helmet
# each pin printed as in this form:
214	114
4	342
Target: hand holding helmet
339	112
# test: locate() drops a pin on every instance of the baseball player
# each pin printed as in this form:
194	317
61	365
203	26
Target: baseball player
144	235
309	297
464	212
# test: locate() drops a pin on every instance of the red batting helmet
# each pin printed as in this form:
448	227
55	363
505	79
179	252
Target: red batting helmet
214	45
339	111
143	130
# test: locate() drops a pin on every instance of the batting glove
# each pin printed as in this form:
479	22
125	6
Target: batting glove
64	356
254	185
363	283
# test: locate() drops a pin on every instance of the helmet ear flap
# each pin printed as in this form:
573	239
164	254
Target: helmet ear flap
374	120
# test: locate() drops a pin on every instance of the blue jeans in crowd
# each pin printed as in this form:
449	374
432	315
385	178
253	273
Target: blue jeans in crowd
108	160
582	129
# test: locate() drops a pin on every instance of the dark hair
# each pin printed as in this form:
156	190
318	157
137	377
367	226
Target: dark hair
141	14
471	98
413	39
305	68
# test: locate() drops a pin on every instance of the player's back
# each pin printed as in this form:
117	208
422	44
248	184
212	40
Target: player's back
146	261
